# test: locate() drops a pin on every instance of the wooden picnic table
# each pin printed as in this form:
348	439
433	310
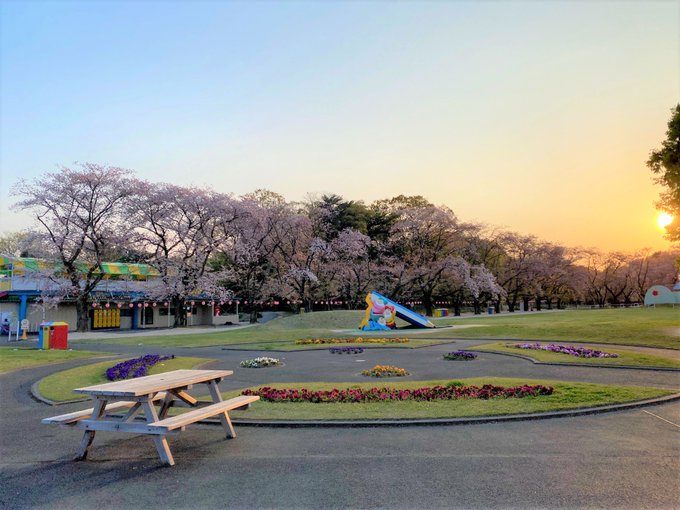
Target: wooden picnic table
143	394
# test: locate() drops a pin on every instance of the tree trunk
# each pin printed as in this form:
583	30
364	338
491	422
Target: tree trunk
548	301
83	313
456	308
538	303
526	303
477	306
253	315
180	312
427	303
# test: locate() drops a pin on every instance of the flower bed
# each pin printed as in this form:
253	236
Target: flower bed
346	350
581	352
485	392
385	371
260	362
460	355
358	340
137	367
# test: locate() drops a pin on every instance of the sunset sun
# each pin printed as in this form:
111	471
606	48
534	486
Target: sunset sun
664	220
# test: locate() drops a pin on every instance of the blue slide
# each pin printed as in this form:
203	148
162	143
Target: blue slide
381	310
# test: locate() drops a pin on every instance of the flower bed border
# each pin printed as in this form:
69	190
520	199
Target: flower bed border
357	340
346	350
141	365
425	394
385	371
260	362
571	350
460	356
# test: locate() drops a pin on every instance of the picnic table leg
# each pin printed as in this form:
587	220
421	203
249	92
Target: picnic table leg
88	436
224	417
160	441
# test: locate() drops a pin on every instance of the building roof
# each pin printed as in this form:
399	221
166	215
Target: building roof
112	270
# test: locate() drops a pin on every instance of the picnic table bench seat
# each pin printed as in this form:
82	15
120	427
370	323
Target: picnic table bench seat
182	420
71	418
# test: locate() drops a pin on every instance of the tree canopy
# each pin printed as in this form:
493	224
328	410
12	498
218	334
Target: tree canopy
665	163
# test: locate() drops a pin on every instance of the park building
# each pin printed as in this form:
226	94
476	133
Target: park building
119	301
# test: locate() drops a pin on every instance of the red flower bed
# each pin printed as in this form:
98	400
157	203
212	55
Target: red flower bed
384	394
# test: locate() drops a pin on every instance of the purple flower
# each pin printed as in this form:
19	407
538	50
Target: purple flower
138	367
581	352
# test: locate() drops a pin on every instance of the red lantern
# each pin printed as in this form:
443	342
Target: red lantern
146	305
94	305
139	305
119	305
166	303
202	302
132	305
153	304
276	302
229	303
107	305
193	303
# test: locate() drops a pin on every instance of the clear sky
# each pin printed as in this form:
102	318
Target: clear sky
534	116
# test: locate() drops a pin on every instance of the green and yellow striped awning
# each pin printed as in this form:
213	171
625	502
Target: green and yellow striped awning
112	270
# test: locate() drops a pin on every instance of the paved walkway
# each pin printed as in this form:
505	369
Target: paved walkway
620	460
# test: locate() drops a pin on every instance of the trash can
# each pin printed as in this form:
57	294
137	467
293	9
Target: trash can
44	335
58	335
490	310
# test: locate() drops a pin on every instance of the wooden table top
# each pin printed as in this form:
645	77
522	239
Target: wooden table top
146	385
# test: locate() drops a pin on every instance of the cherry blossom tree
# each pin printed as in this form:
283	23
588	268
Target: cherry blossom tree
179	228
78	213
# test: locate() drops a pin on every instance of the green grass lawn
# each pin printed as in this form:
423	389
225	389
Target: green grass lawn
626	357
567	395
337	324
58	387
16	358
652	327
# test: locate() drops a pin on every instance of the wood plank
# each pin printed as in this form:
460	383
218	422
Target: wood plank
88	436
118	426
161	443
87	413
151	383
201	413
185	397
224	416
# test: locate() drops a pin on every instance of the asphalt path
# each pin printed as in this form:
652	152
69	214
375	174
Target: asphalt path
627	459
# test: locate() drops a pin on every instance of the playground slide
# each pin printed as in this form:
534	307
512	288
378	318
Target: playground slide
379	302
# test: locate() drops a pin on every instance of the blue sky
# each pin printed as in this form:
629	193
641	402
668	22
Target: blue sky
535	116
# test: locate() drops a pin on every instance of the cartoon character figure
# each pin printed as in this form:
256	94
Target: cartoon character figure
379	315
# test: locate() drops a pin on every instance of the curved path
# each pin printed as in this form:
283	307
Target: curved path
626	459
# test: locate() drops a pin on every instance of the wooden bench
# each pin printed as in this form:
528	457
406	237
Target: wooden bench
219	409
85	414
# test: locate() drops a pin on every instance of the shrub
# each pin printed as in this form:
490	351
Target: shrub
136	367
460	355
260	362
385	371
351	395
